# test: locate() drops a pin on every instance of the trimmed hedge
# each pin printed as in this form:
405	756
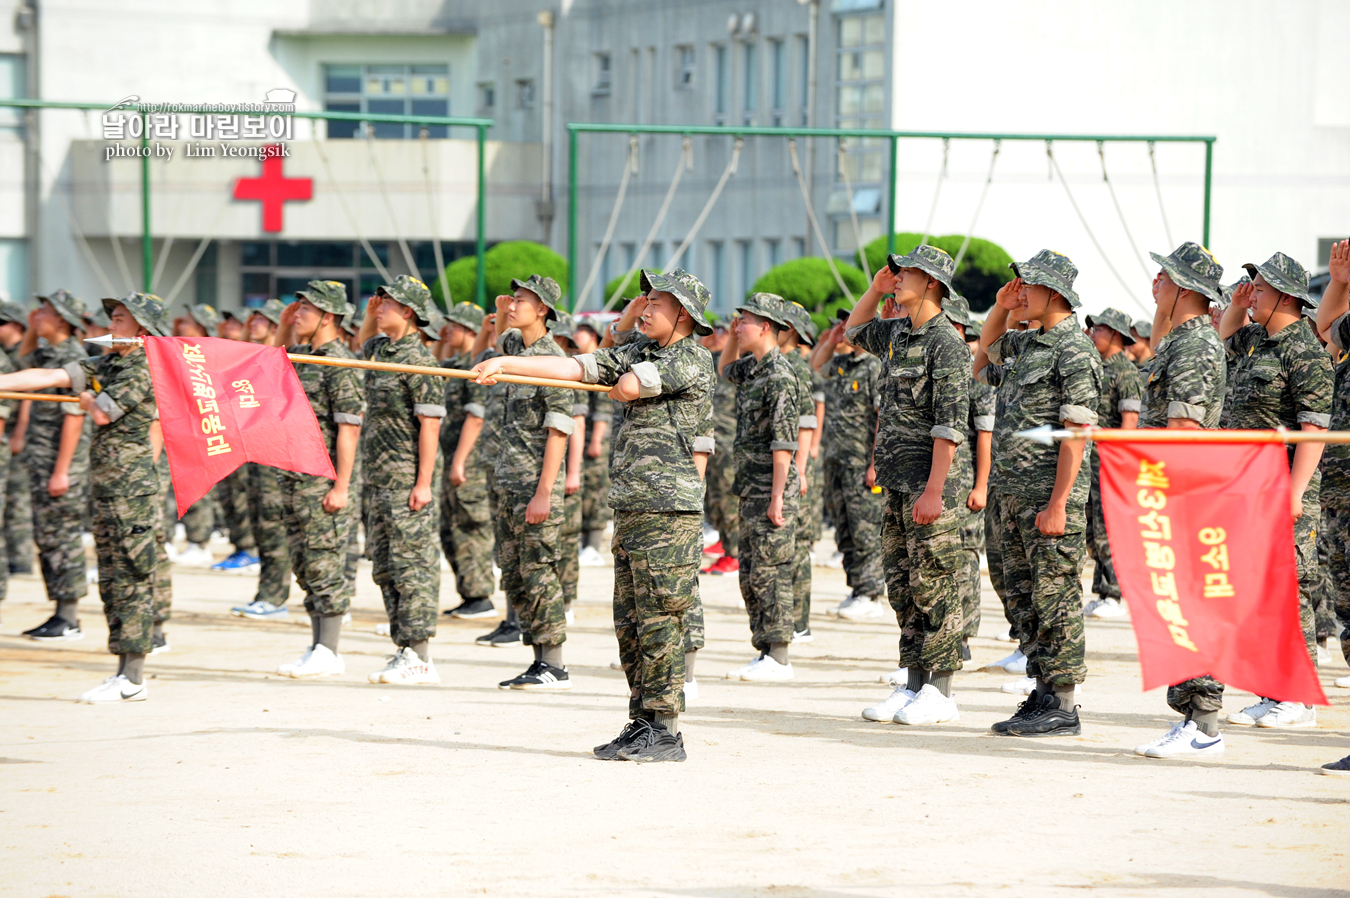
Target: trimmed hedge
504	261
983	270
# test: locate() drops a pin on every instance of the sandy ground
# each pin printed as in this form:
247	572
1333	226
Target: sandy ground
231	780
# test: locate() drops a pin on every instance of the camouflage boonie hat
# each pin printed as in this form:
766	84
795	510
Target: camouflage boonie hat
563	326
435	321
1191	267
146	308
801	322
1231	289
928	259
466	314
271	310
1115	319
1143	328
766	305
1050	269
12	311
204	315
70	308
327	296
958	310
687	290
1285	275
409	291
96	317
546	288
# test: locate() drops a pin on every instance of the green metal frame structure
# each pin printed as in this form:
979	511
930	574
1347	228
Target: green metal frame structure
576	128
480	125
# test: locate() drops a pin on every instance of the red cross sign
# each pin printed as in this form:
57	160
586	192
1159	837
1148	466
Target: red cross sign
273	189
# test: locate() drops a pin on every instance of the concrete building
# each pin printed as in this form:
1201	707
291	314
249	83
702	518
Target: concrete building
1263	80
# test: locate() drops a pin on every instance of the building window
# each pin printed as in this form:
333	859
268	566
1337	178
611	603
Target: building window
487	95
746	250
719	83
387	90
749	84
525	93
860	91
603	73
777	82
684	75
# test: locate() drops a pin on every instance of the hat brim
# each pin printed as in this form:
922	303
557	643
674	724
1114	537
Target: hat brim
1277	280
663	284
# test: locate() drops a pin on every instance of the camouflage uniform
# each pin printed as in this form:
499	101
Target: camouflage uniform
401	542
723	504
318	540
657	497
1043	377
852	397
18	516
808	516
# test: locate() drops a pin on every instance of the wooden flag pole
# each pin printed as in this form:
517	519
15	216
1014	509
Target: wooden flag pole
40	397
1048	435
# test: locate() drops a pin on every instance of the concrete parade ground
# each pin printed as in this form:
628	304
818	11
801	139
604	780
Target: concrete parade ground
232	780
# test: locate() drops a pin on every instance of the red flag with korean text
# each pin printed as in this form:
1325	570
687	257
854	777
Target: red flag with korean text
224	402
1203	546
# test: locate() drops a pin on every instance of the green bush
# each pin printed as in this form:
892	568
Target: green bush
630	288
808	281
983	270
512	259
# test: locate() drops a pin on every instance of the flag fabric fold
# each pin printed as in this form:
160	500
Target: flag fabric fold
222	403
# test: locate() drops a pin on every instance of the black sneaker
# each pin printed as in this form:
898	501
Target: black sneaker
159	644
55	629
654	744
504	636
610	750
1048	719
472	609
1028	707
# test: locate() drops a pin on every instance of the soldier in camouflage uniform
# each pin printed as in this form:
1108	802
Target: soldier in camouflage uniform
656	492
1122	395
200	520
57	449
18	517
1185	389
563	330
802	332
925	403
1050	375
723	505
1282	378
770	403
115	391
1334	323
400	435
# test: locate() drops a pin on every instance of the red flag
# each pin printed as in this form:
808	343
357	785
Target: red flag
224	402
1203	547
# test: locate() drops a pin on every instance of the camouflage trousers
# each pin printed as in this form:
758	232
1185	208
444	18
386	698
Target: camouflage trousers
318	543
232	494
268	522
1337	533
405	566
569	537
57	522
595	510
721	502
801	551
1042	587
972	544
466	533
922	564
656	558
856	512
18	515
128	532
1104	570
766	569
1196	694
529	559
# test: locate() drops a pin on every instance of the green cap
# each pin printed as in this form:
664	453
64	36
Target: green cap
688	291
466	314
12	311
1143	328
146	308
957	309
1117	320
70	308
1191	267
1050	269
546	288
205	315
271	310
928	259
409	291
766	305
327	296
1285	275
800	321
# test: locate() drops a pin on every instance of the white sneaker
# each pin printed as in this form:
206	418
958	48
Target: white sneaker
412	671
196	556
768	671
862	608
1323	653
1016	663
897	677
885	710
382	629
115	689
1184	739
691	690
285	669
929	706
590	557
1106	609
319	661
1024	686
1249	715
1289	715
836	561
1343	682
739	672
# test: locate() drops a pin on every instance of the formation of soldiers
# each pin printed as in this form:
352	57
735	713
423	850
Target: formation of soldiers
897	423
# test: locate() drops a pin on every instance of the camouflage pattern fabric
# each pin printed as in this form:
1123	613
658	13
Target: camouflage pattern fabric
528	555
922	564
722	503
852	397
767	567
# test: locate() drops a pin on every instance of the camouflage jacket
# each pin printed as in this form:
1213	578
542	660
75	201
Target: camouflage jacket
1043	377
45	419
724	410
391	429
768	418
1122	390
121	459
653	454
337	395
1336	457
530	413
1279	380
1187	378
852	396
925	395
983	399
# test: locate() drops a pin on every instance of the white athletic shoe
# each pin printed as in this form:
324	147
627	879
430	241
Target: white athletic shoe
885	710
1249	715
1343	682
768	671
285	669
1016	663
929	706
740	671
836	561
863	608
897	677
410	670
1183	740
382	629
1323	653
691	690
590	557
1024	686
1289	715
319	661
115	689
196	556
